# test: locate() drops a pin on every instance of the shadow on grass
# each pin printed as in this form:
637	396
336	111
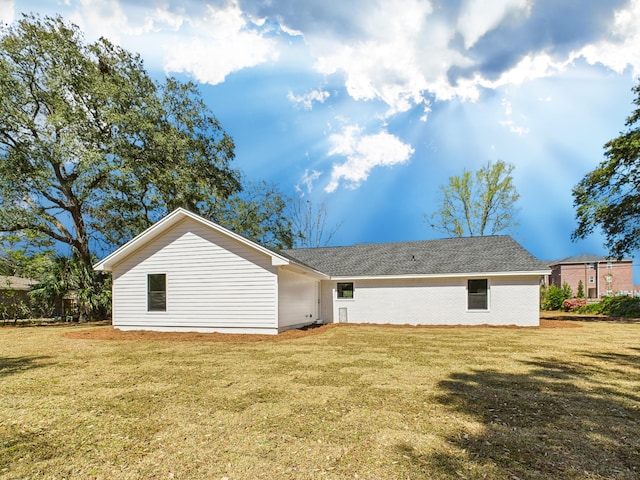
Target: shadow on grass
558	420
12	365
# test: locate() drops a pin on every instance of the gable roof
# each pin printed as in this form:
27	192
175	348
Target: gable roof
168	222
446	257
587	258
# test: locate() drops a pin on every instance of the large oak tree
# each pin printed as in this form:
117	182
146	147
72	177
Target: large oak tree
608	197
92	150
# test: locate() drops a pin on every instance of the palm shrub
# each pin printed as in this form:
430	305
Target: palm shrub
92	289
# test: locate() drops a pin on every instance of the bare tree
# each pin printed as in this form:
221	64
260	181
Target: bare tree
309	222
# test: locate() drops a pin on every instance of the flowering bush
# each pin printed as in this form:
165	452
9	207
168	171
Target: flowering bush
570	304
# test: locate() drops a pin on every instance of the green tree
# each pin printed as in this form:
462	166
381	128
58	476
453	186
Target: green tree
580	292
478	204
258	211
25	254
92	150
608	197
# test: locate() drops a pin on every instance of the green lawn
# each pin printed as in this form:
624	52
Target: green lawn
346	402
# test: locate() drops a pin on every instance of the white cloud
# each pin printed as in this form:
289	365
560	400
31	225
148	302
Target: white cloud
509	122
478	17
206	41
513	127
531	67
306	100
7	11
393	58
223	43
307	180
402	55
363	153
408	52
624	52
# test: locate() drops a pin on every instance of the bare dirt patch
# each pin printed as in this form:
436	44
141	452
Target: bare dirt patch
110	333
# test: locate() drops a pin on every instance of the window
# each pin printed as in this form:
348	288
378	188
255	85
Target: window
592	279
157	292
478	294
345	290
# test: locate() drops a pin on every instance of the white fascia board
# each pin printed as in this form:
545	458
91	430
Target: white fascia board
445	275
162	225
107	263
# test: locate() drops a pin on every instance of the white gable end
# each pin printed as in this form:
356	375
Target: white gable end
213	283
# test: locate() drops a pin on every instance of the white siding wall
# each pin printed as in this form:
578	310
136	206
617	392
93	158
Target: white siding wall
512	301
214	283
327	296
298	299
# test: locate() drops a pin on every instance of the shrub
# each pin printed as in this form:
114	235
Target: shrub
554	298
621	306
571	304
590	309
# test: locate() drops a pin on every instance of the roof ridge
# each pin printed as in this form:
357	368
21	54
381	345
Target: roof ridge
401	242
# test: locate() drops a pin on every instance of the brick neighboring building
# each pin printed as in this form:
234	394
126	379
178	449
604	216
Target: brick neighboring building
600	275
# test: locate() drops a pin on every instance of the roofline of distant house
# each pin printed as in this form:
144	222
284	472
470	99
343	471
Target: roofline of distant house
586	262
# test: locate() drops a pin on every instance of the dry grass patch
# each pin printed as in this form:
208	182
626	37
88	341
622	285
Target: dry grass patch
338	402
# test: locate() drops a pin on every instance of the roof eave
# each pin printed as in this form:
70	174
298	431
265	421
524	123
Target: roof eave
443	275
308	270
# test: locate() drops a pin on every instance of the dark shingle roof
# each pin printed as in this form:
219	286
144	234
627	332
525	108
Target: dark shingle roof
490	254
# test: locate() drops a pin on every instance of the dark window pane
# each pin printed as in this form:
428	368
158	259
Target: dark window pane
157	301
477	294
157	292
345	290
157	282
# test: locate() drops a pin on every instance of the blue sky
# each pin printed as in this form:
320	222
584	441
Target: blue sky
370	106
